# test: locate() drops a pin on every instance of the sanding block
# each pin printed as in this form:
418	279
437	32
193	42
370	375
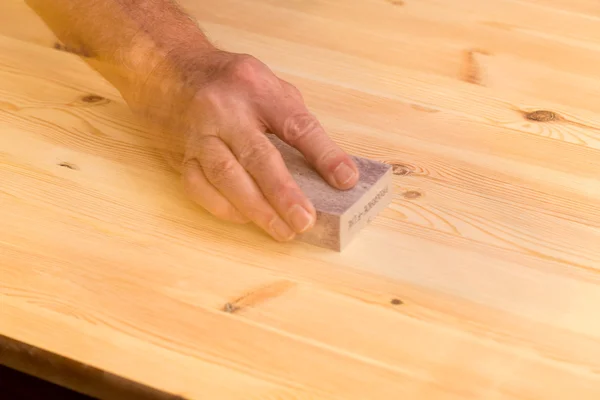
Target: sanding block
341	214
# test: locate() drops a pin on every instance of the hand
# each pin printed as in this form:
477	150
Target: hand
212	111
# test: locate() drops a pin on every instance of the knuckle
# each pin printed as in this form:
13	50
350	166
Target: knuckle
223	210
221	171
258	154
283	189
256	211
292	90
330	158
246	68
299	127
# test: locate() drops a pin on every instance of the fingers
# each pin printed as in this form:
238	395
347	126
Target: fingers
261	159
291	121
201	191
225	173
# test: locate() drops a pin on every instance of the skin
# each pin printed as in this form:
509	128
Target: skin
207	109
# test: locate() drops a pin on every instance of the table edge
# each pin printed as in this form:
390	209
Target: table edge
73	374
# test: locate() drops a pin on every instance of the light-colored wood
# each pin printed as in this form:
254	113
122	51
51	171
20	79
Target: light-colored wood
480	281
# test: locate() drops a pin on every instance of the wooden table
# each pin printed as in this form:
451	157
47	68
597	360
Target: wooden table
480	281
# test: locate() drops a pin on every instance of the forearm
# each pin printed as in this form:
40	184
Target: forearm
124	40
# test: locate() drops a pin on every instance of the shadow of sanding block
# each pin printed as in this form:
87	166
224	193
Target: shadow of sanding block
341	214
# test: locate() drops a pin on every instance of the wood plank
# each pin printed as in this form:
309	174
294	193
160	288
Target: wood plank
479	281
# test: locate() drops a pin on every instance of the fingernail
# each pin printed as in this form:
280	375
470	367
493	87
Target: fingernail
300	218
343	174
281	230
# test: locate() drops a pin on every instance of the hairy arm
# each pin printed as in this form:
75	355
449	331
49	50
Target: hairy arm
124	40
208	109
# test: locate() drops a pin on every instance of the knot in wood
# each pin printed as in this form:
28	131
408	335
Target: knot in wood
68	165
412	194
401	169
92	98
541	116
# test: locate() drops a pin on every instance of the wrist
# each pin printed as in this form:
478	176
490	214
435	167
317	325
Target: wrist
152	42
146	53
174	74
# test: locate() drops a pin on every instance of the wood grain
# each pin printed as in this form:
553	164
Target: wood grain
480	281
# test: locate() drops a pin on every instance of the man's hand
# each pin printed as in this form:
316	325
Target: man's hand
229	166
210	110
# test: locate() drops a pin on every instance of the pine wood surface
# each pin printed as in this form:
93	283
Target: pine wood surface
479	281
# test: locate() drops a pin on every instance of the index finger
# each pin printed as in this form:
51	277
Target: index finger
290	120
